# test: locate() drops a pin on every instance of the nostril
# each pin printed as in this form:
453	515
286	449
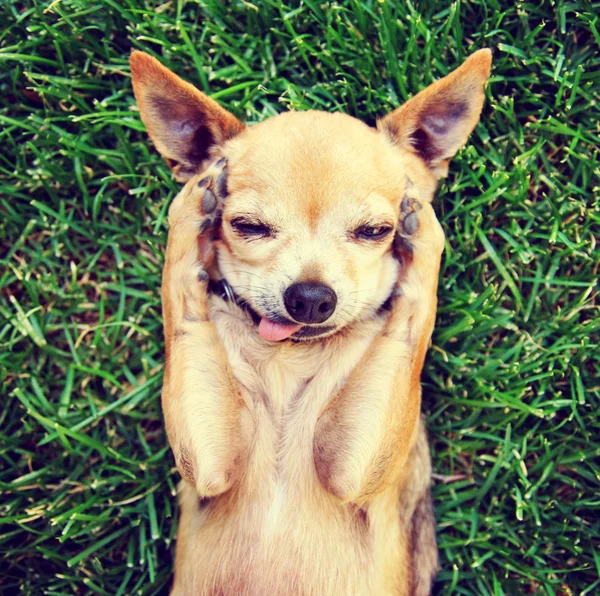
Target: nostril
325	307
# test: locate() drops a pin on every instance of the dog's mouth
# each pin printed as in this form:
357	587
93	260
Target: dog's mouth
273	331
273	327
280	329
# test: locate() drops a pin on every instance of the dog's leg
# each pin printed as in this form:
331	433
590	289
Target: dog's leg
417	517
207	422
364	438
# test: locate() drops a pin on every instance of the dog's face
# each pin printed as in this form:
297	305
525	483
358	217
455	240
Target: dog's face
309	221
313	198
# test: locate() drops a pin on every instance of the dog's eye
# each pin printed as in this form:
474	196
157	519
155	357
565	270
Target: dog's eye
373	232
250	228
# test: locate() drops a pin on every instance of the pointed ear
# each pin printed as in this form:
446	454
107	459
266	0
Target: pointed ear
183	123
436	123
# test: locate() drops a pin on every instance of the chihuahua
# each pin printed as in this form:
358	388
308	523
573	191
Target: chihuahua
299	297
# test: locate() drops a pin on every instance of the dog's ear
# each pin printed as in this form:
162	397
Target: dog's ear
183	123
436	123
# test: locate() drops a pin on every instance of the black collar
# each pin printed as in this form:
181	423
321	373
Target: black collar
222	289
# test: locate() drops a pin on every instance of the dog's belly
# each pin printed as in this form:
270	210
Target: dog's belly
283	542
278	532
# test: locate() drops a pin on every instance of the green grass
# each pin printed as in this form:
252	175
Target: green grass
512	384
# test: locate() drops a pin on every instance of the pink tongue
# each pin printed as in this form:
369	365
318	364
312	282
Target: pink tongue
274	332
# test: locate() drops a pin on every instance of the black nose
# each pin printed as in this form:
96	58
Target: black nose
310	302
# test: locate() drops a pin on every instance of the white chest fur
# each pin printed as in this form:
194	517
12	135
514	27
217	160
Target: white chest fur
291	382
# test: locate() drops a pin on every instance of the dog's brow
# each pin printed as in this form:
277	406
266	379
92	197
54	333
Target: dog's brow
371	191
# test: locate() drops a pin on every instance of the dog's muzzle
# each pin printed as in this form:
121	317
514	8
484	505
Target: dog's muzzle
310	302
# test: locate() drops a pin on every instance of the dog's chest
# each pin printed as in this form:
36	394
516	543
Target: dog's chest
279	501
279	375
287	386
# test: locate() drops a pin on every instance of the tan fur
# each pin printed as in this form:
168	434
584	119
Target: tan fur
312	452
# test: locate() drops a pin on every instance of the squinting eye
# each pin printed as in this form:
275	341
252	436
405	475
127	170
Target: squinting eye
373	232
250	228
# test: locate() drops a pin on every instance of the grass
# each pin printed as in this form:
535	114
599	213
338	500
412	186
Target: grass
512	384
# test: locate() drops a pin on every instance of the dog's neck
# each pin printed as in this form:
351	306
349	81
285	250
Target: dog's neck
222	289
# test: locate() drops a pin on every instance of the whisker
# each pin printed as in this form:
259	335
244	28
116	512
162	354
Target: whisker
366	303
250	288
360	291
248	273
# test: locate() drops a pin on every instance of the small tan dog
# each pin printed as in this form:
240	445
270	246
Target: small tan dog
291	392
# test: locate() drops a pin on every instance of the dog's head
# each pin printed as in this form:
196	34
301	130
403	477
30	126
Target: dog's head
313	198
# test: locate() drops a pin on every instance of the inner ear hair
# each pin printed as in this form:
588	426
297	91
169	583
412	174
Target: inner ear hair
184	123
437	122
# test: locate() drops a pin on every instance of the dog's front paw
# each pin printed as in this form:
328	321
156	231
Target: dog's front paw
408	225
418	229
210	475
418	246
339	473
196	214
201	200
194	220
212	192
209	429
